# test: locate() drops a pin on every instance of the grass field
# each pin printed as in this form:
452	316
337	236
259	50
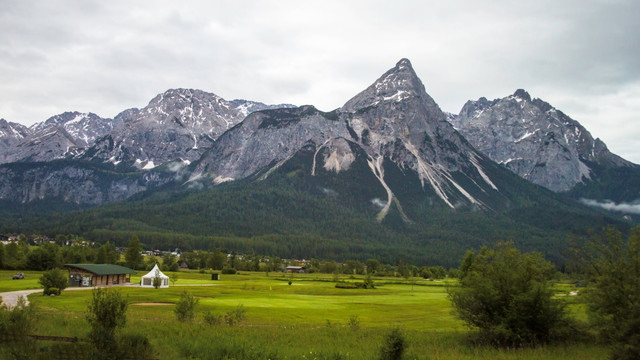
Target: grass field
30	280
310	319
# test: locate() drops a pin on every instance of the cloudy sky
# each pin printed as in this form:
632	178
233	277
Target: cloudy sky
582	56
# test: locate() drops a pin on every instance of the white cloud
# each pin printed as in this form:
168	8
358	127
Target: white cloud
104	57
630	208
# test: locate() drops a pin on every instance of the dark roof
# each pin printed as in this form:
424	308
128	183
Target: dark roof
102	269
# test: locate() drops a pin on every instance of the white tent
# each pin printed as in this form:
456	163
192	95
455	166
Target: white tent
147	280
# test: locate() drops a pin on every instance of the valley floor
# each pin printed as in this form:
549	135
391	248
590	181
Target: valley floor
309	319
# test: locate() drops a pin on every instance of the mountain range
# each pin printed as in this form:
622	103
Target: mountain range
387	173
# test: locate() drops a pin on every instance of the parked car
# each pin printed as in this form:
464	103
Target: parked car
18	276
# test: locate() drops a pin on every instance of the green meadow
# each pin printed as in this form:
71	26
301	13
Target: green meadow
309	319
30	280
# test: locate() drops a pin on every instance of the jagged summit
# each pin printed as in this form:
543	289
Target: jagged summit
393	123
534	140
178	124
397	84
522	94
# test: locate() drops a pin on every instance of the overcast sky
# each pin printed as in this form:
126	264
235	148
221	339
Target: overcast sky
582	56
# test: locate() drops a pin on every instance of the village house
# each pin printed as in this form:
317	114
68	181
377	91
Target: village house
98	274
295	269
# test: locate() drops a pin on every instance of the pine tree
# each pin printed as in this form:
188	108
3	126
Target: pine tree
133	256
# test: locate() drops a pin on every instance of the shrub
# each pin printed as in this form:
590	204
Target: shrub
235	316
185	307
106	312
54	281
212	319
135	346
393	347
229	270
614	292
157	281
17	322
51	291
367	284
506	296
354	322
346	285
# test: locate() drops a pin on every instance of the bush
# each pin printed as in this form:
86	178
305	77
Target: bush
235	316
212	319
354	322
393	347
106	312
17	322
51	291
346	285
54	281
367	284
506	296
614	291
135	346
229	270
157	281
185	307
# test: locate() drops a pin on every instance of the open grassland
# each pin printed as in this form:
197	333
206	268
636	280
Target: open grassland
30	280
310	319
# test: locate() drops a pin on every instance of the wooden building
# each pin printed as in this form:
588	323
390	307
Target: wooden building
295	269
98	274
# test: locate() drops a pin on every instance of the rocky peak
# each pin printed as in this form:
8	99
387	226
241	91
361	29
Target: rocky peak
11	134
12	130
397	84
533	139
522	95
396	119
178	124
84	128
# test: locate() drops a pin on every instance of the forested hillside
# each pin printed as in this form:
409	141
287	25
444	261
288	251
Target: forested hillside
328	216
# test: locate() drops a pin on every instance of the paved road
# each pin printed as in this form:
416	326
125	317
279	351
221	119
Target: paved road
11	298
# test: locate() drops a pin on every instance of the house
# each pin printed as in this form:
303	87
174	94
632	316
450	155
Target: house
295	269
98	274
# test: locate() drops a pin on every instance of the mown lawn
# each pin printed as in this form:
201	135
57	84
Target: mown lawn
310	319
30	280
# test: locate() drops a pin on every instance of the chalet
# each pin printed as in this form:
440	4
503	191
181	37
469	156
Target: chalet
295	269
98	274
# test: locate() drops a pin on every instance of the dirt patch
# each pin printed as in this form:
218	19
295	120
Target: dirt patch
152	304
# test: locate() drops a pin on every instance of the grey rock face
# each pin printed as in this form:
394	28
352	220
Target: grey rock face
536	141
392	119
397	119
72	183
177	124
267	138
11	134
63	135
84	127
